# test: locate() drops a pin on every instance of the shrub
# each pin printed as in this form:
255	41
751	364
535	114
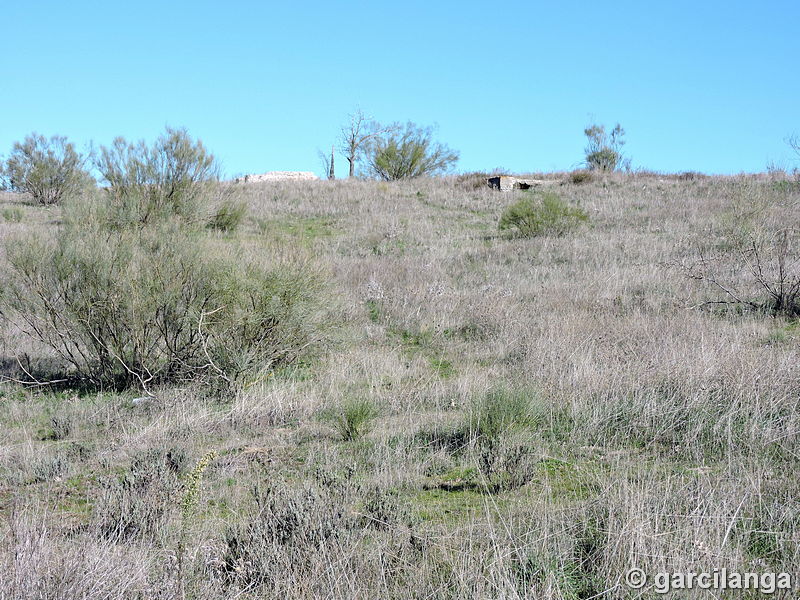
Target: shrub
48	170
137	308
290	529
500	410
691	176
403	153
355	417
171	178
130	292
60	427
229	216
581	176
48	467
544	214
494	425
604	150
138	503
771	264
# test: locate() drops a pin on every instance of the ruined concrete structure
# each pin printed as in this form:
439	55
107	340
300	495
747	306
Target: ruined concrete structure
506	183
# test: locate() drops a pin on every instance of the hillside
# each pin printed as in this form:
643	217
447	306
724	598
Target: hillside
490	416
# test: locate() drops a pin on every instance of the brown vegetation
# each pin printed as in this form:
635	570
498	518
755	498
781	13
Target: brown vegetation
499	416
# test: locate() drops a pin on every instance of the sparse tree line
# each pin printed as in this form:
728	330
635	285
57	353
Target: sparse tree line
50	169
404	151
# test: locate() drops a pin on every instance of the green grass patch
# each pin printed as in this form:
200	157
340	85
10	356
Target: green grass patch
423	343
300	371
76	495
448	506
228	217
305	230
373	310
566	480
413	342
468	332
442	367
783	335
354	418
13	214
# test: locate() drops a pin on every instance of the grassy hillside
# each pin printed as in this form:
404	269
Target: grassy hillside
492	417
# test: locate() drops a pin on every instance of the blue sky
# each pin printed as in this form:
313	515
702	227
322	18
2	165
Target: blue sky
709	86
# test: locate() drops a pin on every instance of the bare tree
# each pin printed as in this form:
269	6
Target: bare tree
794	143
773	265
356	134
326	162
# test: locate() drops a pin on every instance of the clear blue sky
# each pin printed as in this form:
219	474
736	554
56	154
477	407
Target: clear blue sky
710	86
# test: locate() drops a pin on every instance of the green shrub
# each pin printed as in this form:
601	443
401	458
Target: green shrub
581	176
172	178
229	216
544	214
604	150
495	424
131	292
354	419
501	409
48	170
406	152
137	308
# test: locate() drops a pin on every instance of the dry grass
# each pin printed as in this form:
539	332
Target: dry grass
665	433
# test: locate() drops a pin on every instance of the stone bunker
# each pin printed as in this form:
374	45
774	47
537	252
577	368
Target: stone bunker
506	183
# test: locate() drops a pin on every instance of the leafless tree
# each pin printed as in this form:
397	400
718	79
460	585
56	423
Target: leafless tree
794	143
326	162
356	134
774	269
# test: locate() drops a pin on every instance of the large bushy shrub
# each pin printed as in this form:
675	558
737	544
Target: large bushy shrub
407	152
47	169
131	291
541	214
172	178
159	305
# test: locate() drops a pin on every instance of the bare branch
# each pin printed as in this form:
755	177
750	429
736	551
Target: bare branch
357	133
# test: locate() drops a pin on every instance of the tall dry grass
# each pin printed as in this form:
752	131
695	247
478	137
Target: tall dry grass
662	431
